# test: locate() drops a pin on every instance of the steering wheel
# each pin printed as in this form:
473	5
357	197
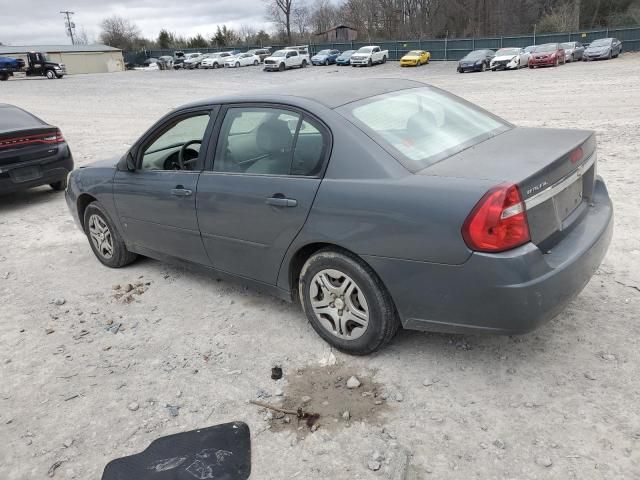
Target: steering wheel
181	153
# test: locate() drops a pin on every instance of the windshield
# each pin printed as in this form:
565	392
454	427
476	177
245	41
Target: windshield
475	55
567	46
414	53
603	42
324	52
549	47
421	126
279	53
347	53
504	52
365	50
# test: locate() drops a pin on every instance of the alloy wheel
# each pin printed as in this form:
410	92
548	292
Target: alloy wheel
339	304
101	236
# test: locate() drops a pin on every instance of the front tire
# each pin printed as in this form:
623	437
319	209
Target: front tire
106	242
281	67
50	74
346	303
255	63
369	63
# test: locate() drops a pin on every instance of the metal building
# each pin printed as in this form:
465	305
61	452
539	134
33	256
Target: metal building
77	58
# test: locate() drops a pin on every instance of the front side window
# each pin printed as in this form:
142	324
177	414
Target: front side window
269	141
421	126
178	147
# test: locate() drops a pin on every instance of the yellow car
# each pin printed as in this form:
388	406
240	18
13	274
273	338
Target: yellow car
415	58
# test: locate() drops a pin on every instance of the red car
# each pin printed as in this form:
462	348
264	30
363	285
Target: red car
547	55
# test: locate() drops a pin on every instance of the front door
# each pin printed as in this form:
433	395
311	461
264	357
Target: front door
156	203
256	197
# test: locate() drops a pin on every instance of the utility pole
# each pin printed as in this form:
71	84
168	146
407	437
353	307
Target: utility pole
69	24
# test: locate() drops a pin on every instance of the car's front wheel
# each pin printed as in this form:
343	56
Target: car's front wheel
346	302
105	240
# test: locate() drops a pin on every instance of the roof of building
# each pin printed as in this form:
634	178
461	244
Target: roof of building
5	49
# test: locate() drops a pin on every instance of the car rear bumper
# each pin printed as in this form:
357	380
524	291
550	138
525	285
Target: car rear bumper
35	173
507	293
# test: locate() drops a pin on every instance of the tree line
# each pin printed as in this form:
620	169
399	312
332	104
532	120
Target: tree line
301	20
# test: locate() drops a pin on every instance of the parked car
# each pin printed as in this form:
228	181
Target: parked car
547	55
529	49
215	60
573	51
345	58
415	58
165	62
242	60
282	60
509	59
476	61
32	152
297	193
194	61
180	63
261	52
368	56
325	57
603	48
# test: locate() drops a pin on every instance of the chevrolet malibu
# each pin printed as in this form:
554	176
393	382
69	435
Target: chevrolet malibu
374	203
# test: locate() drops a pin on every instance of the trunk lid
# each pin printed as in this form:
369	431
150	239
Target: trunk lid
555	185
19	146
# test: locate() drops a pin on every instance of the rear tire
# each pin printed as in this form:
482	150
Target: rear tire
59	185
367	319
304	64
110	249
384	60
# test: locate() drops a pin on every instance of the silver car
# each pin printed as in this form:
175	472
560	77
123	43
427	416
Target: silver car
573	51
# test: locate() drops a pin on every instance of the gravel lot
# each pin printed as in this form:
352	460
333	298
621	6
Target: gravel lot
562	402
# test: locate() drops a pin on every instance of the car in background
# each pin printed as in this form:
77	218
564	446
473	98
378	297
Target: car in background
344	58
262	53
194	62
573	51
369	56
165	62
215	60
476	61
241	60
282	60
32	152
297	192
603	49
325	57
415	58
529	49
509	59
547	55
180	63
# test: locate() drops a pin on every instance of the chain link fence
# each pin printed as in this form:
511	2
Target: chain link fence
440	49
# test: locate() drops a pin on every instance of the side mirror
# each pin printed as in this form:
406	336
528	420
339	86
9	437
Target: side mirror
130	162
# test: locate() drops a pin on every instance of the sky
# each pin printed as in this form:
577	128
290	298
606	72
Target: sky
33	22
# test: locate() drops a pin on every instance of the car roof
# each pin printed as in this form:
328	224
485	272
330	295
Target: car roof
13	118
330	93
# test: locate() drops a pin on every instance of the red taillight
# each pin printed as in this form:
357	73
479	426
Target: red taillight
38	138
576	155
498	222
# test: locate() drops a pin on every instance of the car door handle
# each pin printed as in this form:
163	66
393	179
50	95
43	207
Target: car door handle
181	192
282	202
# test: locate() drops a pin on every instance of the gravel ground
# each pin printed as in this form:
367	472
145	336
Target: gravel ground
562	402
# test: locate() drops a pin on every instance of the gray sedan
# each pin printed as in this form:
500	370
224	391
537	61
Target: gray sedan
603	49
374	203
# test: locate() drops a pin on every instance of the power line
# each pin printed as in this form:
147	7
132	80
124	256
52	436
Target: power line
69	24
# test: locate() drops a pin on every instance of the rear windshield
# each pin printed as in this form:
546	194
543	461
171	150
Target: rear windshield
12	118
421	126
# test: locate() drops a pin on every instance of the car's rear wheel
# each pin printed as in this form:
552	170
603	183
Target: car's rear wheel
384	60
59	185
346	303
304	64
106	243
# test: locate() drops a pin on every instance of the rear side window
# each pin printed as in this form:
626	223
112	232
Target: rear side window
421	126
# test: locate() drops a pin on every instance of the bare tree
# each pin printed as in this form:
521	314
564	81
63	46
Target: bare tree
246	33
119	32
301	19
279	12
81	38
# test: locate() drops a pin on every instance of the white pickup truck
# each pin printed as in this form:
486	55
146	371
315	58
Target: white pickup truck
290	57
369	56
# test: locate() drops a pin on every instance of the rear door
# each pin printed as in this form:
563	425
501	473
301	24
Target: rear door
156	203
255	197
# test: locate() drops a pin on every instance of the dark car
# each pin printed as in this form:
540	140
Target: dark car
32	152
261	52
375	203
547	55
573	51
344	58
476	61
603	49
